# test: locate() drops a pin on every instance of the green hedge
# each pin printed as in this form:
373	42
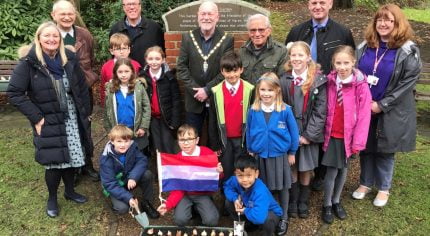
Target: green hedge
18	23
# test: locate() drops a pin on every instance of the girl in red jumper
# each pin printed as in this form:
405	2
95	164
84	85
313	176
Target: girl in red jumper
347	124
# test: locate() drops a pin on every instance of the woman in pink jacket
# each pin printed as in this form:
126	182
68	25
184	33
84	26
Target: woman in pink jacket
346	128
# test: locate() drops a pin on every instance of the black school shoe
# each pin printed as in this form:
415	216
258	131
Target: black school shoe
282	227
339	211
303	210
149	209
327	215
52	208
75	197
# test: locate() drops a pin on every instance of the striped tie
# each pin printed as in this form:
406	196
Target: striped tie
298	80
232	90
339	94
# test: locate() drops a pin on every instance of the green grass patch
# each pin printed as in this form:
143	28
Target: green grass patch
280	28
421	15
23	194
408	209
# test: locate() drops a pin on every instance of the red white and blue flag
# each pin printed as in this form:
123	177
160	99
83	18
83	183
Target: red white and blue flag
188	173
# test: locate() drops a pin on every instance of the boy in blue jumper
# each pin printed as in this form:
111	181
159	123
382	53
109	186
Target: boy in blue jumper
122	168
247	195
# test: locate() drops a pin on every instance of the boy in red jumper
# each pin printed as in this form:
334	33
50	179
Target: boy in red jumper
119	47
228	112
183	202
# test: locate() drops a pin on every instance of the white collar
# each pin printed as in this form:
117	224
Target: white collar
229	86
268	108
344	81
195	153
158	75
71	32
303	75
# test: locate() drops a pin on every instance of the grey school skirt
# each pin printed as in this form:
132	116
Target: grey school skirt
335	155
275	172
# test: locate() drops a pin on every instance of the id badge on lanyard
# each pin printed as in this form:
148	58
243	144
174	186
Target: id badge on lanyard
373	79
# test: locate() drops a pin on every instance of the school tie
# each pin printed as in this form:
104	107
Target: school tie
314	48
339	94
232	90
298	80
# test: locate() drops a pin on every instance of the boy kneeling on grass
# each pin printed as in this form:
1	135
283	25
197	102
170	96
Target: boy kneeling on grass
122	168
247	195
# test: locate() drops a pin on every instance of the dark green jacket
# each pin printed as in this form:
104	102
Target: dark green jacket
141	103
190	67
272	59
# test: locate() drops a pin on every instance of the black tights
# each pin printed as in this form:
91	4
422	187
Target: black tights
52	179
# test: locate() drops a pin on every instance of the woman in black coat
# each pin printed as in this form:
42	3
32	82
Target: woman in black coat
49	88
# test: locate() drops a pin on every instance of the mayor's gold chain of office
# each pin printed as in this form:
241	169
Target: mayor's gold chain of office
205	58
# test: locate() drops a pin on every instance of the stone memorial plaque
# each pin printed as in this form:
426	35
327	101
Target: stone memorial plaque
232	15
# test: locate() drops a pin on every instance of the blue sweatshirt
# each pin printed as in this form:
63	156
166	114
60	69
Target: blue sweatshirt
275	138
257	200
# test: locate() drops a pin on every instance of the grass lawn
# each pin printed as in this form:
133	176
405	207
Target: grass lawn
407	211
421	15
23	194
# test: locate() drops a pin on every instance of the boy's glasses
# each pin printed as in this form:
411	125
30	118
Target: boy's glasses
184	141
121	49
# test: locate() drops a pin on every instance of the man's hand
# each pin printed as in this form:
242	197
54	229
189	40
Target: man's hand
131	184
200	94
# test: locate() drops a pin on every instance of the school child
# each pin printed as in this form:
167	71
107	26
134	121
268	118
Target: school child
163	91
127	102
122	168
229	106
346	128
119	47
272	137
247	195
184	202
304	88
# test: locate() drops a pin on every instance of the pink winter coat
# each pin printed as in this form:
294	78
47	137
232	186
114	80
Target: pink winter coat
357	108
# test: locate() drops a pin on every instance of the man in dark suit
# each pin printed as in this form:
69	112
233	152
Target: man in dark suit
143	33
323	34
198	62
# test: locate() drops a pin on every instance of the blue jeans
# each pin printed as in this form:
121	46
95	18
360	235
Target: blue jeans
377	169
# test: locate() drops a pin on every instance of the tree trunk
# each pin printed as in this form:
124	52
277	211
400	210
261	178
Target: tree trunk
342	4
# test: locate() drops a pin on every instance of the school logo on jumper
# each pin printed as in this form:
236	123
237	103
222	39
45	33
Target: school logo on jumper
282	124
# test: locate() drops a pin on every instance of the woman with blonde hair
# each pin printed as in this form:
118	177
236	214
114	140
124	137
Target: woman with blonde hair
392	63
304	88
48	87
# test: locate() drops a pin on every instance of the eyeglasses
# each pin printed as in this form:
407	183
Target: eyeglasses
188	140
381	20
121	49
131	4
259	30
